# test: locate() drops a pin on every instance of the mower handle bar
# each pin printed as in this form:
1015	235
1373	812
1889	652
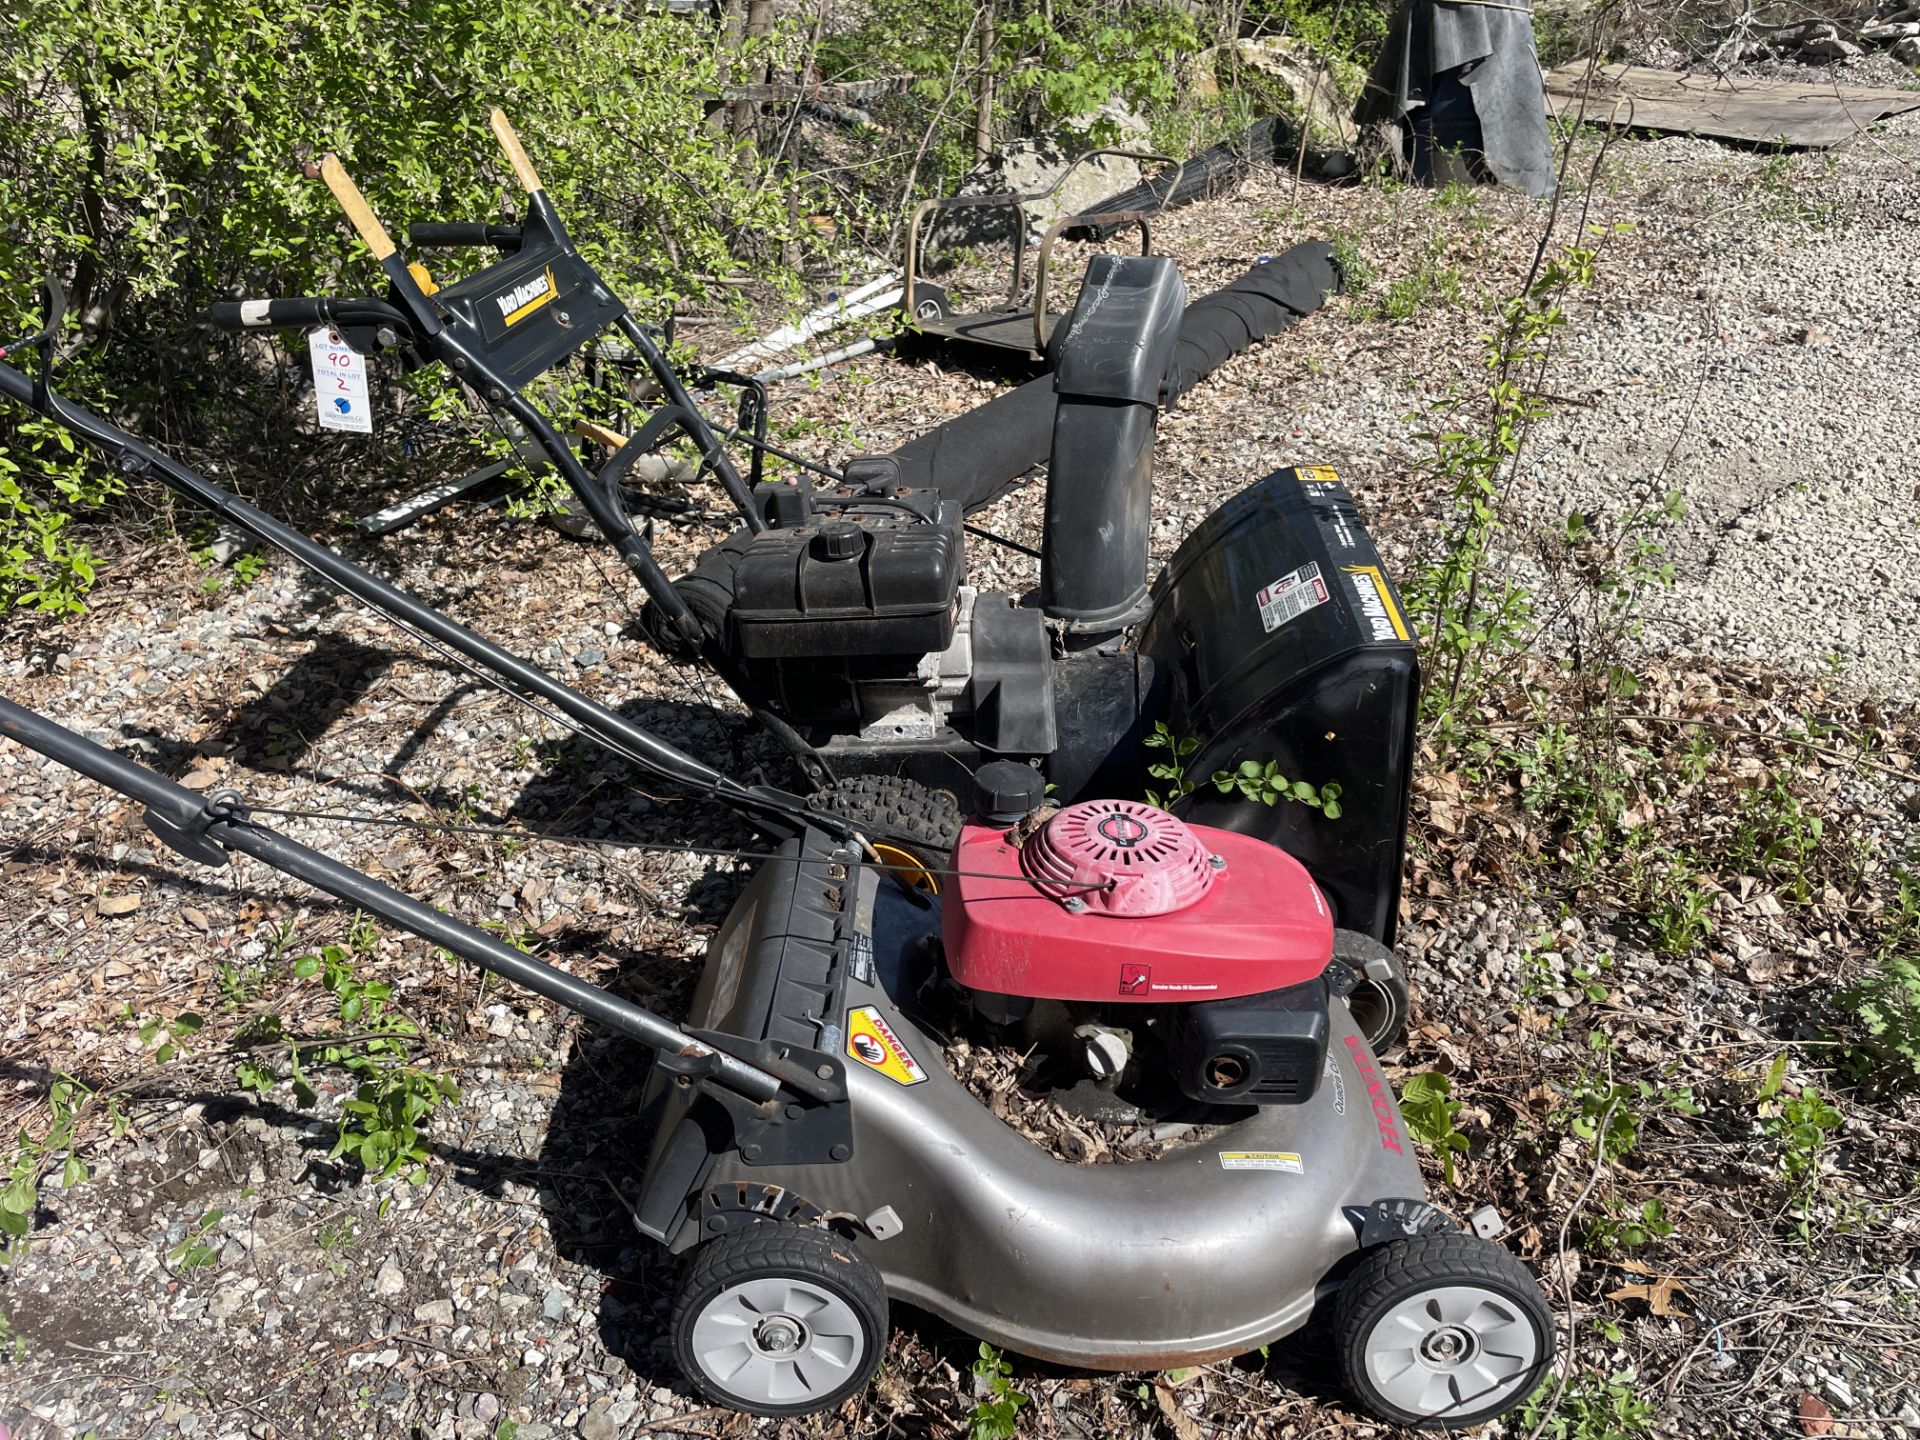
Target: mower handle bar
203	827
451	234
305	310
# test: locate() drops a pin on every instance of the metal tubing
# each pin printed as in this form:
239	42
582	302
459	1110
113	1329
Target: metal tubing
702	432
230	830
611	728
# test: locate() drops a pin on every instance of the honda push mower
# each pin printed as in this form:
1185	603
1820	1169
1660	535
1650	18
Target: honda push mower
813	1153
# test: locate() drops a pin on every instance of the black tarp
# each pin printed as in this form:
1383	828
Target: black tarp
1464	80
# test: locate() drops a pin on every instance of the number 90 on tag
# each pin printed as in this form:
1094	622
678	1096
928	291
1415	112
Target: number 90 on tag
339	383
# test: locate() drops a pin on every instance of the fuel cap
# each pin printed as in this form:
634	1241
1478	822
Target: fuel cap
838	540
1005	790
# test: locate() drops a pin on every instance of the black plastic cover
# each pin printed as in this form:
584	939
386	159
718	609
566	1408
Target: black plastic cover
1276	635
892	594
1266	1049
1012	684
776	972
530	311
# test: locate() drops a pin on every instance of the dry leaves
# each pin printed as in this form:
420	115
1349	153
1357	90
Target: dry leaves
1815	1417
1658	1293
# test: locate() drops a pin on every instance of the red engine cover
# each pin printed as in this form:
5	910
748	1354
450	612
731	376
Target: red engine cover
1160	921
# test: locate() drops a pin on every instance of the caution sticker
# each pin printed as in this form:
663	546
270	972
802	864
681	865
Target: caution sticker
1290	596
871	1041
1285	1160
1317	474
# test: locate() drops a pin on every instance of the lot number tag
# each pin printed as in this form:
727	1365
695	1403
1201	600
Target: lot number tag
339	383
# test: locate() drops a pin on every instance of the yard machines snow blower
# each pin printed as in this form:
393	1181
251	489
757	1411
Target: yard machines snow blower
812	1155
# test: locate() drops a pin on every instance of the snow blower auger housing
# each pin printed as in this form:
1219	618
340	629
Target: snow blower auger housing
814	1148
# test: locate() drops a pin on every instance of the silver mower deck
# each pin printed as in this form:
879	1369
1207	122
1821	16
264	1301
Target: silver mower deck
1211	1250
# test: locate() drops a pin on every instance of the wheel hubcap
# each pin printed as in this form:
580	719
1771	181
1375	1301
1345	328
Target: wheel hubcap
778	1341
1373	1008
1452	1350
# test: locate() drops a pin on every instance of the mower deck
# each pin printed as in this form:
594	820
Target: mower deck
1211	1250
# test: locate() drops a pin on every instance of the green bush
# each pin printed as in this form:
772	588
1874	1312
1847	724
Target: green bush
160	157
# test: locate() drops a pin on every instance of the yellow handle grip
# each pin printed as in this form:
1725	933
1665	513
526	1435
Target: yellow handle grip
516	154
599	434
355	204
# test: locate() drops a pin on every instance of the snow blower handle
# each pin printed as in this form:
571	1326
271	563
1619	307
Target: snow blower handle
515	152
407	281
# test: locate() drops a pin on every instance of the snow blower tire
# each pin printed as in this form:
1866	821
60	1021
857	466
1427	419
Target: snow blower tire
780	1319
1441	1331
913	827
1380	999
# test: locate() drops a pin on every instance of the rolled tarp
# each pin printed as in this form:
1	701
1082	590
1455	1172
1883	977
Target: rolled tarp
975	458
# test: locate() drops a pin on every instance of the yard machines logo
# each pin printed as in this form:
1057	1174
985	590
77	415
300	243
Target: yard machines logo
1376	602
526	297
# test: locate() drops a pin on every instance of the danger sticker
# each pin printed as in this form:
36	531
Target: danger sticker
1291	596
1285	1160
871	1041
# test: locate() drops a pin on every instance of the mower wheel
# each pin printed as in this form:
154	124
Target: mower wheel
1441	1331
780	1319
1380	999
914	828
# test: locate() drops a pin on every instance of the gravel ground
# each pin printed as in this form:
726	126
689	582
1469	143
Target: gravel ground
1759	314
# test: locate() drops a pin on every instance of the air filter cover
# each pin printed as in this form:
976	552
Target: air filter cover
1120	857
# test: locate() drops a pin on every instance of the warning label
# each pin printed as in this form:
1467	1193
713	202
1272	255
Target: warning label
1291	596
1285	1160
871	1041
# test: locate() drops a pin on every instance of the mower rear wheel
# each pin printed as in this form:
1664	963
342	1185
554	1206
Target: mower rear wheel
913	827
1441	1330
780	1319
1380	1001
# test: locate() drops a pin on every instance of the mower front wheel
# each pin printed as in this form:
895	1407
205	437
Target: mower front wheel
780	1319
1441	1331
1381	999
